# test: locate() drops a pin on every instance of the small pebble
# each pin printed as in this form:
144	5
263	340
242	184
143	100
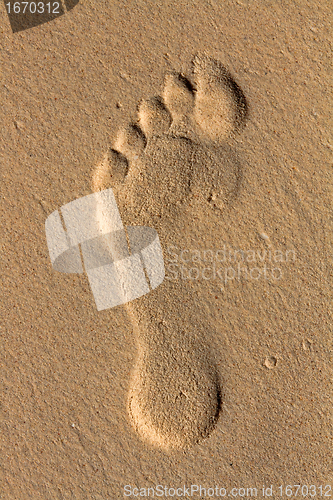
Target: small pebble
19	125
307	344
270	362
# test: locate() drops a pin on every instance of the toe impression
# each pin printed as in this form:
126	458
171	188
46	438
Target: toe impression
220	106
112	170
177	96
154	118
130	142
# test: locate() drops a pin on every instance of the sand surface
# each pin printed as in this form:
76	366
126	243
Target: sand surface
67	87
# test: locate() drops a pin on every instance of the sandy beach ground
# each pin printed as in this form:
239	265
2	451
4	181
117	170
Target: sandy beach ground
66	88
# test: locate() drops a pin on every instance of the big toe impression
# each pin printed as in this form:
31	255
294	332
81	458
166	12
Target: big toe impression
220	105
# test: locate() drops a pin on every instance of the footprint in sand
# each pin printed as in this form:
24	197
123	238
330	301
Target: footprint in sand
174	157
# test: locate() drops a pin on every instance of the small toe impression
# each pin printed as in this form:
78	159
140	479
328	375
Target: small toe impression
154	118
130	142
111	170
178	95
118	166
220	105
